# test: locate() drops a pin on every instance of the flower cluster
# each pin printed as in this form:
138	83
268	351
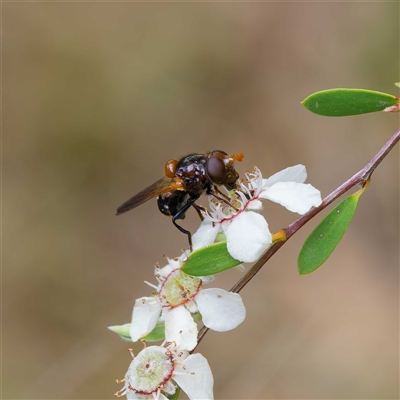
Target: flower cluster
176	301
179	300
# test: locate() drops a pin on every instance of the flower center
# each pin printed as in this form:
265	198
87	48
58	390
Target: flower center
178	288
230	215
150	370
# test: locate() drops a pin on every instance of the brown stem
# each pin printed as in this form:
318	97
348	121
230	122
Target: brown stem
360	178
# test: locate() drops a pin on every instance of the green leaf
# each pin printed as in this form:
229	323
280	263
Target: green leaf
397	84
123	331
327	235
158	333
197	317
342	102
209	260
220	237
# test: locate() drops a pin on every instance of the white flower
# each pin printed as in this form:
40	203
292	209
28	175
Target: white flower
155	371
247	232
177	297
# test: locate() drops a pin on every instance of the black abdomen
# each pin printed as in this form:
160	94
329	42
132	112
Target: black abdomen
170	203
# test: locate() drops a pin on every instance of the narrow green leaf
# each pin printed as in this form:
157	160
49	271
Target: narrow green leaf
327	235
123	331
397	84
342	102
209	260
158	333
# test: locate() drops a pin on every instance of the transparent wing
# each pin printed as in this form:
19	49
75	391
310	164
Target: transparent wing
161	186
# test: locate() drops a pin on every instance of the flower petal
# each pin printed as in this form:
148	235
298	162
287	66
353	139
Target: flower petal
221	310
180	328
169	388
144	317
165	271
296	173
207	279
191	306
247	236
131	395
173	263
254	205
205	235
195	377
296	197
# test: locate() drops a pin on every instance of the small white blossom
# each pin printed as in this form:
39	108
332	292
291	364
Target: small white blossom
155	371
247	232
177	297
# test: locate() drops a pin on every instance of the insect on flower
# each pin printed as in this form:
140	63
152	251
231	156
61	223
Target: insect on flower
246	230
185	181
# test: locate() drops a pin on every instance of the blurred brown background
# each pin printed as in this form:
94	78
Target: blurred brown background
98	96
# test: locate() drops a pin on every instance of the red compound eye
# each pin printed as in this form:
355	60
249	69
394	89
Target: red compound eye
216	168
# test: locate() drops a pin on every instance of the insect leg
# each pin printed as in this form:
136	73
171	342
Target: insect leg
199	209
179	215
221	193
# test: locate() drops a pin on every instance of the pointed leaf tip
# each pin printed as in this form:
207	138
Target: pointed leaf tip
122	331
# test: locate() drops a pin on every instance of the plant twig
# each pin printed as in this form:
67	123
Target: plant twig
360	178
